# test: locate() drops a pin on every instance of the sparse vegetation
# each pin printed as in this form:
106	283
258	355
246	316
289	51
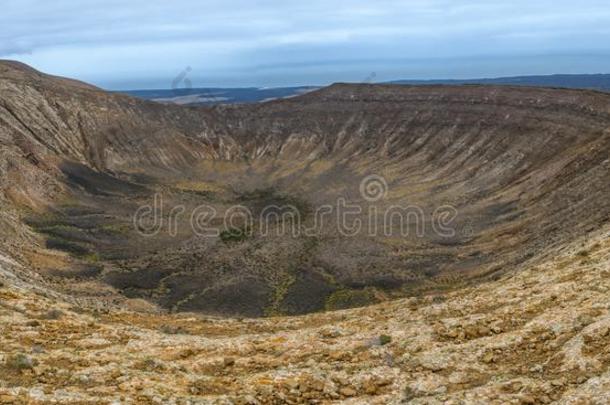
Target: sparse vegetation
75	249
92	258
346	298
280	291
234	235
438	299
20	362
204	189
385	339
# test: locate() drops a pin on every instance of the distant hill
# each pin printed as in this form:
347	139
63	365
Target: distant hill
204	96
245	95
595	82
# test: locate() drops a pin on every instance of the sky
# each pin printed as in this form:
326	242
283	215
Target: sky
147	44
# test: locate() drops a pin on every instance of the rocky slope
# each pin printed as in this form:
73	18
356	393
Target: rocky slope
510	306
539	335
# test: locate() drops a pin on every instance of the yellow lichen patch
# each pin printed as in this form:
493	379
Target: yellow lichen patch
319	167
23	199
199	186
47	259
222	167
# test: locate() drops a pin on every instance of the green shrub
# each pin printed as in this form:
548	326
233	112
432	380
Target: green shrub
346	298
384	339
234	235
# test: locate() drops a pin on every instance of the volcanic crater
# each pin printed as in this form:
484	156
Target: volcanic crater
523	169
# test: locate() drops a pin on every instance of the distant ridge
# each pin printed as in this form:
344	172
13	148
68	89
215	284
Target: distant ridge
244	95
592	81
205	96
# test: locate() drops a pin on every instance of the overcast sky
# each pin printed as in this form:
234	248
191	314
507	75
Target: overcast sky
146	43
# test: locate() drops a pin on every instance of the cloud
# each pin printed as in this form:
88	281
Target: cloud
244	42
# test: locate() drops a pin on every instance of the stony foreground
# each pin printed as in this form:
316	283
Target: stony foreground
540	335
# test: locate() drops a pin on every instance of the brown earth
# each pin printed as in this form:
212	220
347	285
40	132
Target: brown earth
538	336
